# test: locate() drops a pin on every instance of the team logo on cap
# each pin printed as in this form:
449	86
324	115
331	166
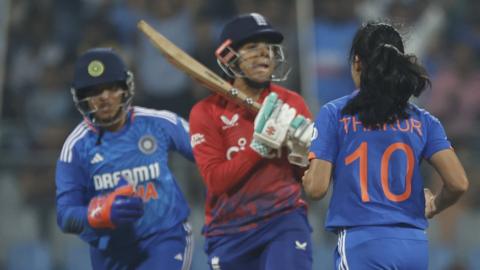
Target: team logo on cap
147	144
259	19
96	68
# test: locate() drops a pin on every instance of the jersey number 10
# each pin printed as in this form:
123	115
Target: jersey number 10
362	154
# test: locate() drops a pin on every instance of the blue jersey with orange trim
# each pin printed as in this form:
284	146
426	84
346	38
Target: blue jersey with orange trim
138	152
376	178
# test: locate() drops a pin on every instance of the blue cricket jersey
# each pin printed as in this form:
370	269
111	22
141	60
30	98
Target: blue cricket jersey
376	178
139	153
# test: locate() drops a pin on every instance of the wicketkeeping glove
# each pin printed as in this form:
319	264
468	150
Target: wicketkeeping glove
273	121
117	208
299	139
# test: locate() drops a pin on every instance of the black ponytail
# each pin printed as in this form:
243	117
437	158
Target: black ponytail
388	79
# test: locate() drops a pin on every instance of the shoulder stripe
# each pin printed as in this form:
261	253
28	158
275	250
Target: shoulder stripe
169	116
77	134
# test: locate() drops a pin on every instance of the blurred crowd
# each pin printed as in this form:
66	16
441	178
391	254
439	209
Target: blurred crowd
44	37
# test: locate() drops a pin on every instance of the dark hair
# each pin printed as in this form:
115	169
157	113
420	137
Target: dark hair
388	79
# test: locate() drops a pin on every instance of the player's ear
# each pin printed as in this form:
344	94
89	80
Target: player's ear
357	65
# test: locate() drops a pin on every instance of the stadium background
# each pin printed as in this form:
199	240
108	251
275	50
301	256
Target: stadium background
40	39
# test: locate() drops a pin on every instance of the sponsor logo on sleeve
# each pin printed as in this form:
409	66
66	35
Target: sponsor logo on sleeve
197	139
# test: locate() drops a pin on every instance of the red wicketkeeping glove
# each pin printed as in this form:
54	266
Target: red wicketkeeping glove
120	207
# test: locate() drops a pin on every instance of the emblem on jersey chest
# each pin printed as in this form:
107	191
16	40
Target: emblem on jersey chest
228	123
97	158
242	142
147	144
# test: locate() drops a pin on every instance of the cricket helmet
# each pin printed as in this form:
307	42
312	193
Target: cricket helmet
99	68
249	27
246	28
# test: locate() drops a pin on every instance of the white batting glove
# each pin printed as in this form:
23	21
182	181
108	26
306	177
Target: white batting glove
299	138
266	110
262	149
273	122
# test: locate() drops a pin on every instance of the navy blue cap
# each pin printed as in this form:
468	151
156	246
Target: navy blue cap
99	66
248	27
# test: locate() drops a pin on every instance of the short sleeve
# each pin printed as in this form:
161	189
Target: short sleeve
436	137
179	134
324	142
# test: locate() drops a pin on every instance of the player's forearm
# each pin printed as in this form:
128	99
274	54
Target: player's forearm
455	181
72	219
222	177
447	197
316	180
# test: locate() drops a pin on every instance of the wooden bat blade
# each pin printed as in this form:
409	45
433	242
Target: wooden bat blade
193	68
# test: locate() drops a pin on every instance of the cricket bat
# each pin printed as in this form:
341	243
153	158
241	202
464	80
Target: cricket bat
195	69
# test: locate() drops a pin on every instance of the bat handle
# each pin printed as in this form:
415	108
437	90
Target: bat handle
234	92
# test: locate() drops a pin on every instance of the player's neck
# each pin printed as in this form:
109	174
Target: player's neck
118	125
250	90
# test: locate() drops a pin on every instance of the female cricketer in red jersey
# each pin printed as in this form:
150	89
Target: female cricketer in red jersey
255	217
371	144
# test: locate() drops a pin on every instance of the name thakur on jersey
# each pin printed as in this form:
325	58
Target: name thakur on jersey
351	124
136	175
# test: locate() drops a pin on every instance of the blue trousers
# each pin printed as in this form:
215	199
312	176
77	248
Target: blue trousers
167	250
283	243
381	247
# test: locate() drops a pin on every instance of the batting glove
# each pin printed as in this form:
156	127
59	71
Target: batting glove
117	208
299	139
273	121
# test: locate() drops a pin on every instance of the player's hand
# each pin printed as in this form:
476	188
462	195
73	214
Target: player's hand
307	171
273	121
299	139
117	208
430	207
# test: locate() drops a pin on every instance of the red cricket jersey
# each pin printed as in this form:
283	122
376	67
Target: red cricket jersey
243	189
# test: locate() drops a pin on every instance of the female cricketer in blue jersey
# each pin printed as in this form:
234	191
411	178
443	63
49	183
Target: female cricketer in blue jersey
369	146
113	185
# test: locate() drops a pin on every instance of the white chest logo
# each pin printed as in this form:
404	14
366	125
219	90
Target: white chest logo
234	149
147	144
229	122
96	159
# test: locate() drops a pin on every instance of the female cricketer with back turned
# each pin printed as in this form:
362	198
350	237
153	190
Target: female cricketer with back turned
369	146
